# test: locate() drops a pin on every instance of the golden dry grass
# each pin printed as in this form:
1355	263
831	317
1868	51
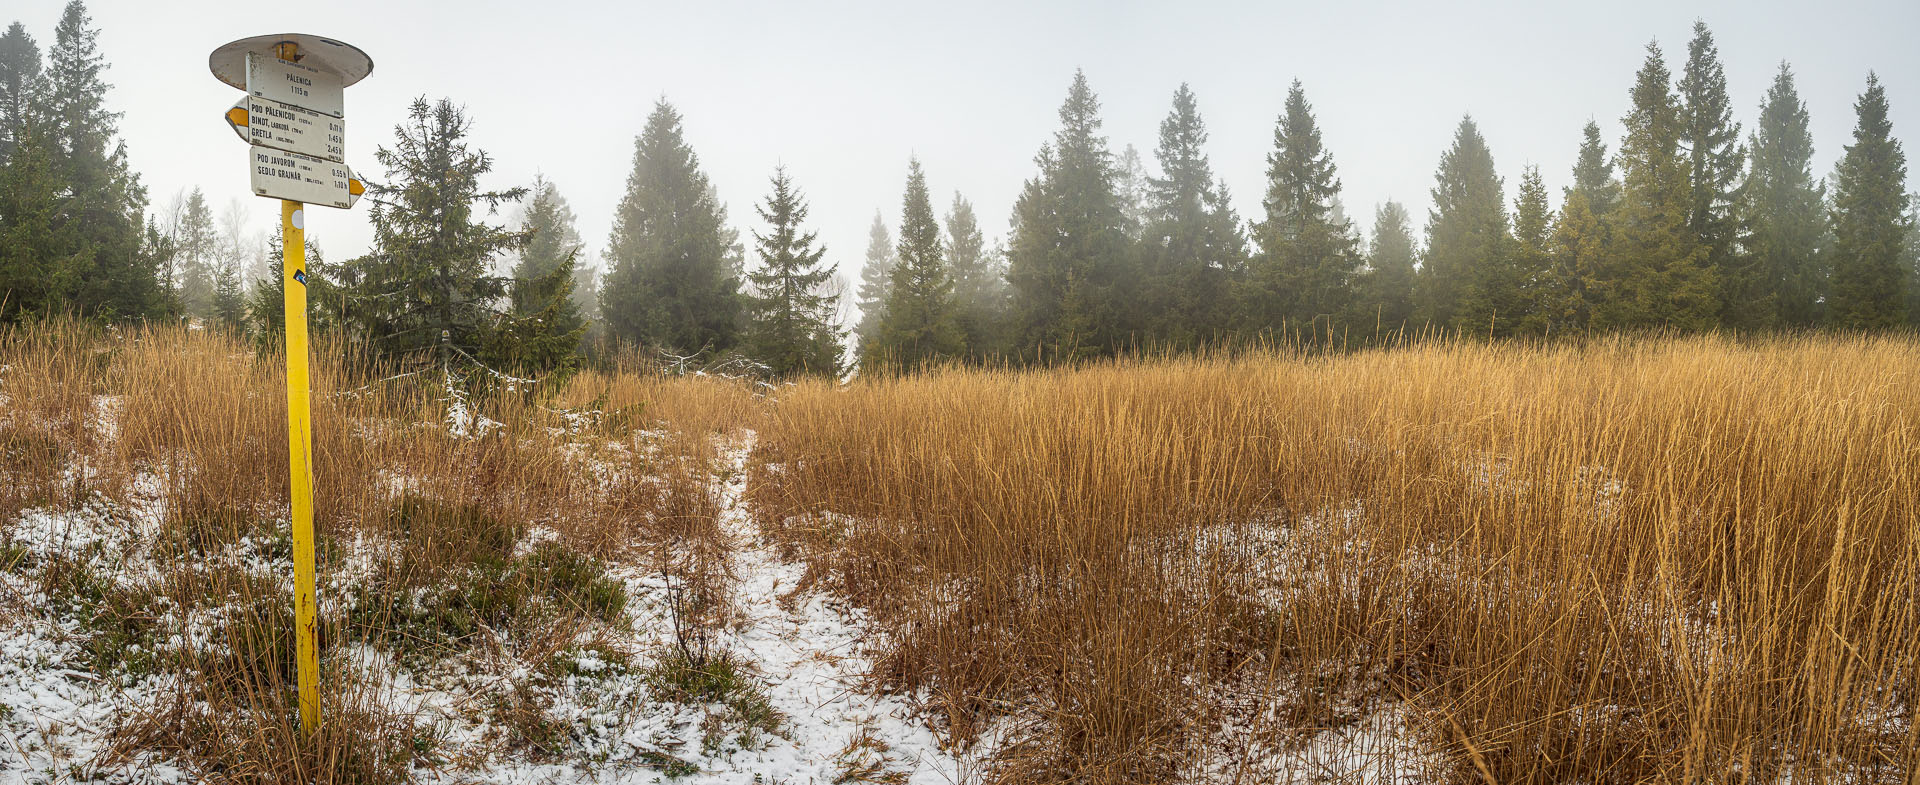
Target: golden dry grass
1630	561
1661	560
184	431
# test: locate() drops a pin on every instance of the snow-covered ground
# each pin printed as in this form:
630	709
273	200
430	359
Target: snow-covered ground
802	649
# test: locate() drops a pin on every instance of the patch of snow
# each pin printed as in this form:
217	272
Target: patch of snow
57	717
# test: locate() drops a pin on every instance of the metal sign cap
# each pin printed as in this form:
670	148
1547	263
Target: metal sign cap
229	62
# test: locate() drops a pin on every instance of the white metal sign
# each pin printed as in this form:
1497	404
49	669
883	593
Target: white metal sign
274	124
292	83
300	178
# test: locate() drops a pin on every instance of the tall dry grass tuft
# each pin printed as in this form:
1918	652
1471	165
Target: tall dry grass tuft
1674	560
451	524
48	378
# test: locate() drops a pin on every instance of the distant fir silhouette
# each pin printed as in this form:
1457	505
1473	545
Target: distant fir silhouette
1469	282
1131	183
1782	220
876	279
541	332
1581	236
228	311
1071	252
1712	141
195	257
1389	280
1531	265
1301	274
790	325
673	281
1194	253
1870	221
1593	175
1655	272
979	282
919	325
19	86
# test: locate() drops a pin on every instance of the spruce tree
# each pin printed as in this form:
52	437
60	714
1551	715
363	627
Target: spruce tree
104	201
876	279
551	237
1071	251
38	265
1581	235
1533	254
552	242
197	257
791	327
19	86
1579	249
1299	277
1469	282
979	281
1870	221
1781	219
1389	280
1192	246
1131	183
673	281
1913	260
542	330
1593	172
228	306
266	308
1656	272
426	284
1712	141
918	326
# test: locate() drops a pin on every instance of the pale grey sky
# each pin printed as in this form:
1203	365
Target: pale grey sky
844	92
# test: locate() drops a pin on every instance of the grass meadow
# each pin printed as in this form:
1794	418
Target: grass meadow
1626	560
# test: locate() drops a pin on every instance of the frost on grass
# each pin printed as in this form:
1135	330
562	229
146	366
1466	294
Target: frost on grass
778	699
501	698
63	692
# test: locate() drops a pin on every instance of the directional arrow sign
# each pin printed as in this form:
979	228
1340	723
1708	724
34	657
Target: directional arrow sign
303	178
290	128
304	86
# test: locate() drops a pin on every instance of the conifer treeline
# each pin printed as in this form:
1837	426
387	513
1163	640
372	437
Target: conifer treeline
1691	224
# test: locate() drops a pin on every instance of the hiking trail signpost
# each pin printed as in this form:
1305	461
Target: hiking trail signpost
293	119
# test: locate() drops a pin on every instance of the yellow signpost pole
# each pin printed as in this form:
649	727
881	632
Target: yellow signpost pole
293	245
293	121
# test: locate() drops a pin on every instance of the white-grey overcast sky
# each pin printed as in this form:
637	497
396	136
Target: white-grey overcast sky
843	93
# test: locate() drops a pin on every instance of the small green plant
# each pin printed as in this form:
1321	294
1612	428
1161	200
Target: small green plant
437	535
577	580
590	662
203	532
121	623
16	559
721	679
674	768
444	590
428	621
866	759
523	712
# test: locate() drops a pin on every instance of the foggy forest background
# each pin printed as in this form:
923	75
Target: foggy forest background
1700	218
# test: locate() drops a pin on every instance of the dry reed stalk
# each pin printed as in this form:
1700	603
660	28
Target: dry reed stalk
1633	560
